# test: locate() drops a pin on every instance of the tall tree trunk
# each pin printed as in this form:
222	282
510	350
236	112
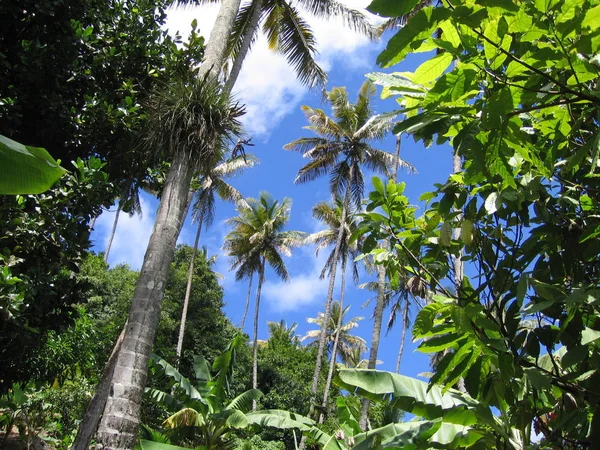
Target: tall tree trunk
261	279
405	316
377	321
215	52
379	306
247	303
119	424
112	233
327	313
188	290
457	262
247	39
118	428
336	341
94	410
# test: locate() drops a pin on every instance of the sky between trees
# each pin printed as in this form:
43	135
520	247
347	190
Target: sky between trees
273	96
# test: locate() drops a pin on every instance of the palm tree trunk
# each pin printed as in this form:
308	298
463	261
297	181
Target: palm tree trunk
327	313
457	260
188	290
119	424
247	303
405	316
215	52
378	314
94	410
245	47
336	340
261	279
113	231
377	321
118	428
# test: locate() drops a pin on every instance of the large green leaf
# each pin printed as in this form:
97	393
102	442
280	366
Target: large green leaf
285	420
151	445
25	169
243	402
411	395
419	435
392	9
419	27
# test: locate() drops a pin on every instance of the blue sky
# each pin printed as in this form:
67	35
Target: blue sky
273	97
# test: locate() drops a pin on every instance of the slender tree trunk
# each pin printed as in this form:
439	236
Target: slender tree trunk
377	321
405	316
379	306
457	262
94	410
119	424
247	39
247	303
112	233
327	313
188	290
336	340
261	279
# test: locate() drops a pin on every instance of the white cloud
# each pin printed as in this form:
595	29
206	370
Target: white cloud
131	239
267	85
303	289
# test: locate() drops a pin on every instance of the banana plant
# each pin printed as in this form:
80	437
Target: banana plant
444	418
203	411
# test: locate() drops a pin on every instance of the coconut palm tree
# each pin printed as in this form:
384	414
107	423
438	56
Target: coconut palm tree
381	294
347	341
331	215
342	147
258	238
287	32
212	185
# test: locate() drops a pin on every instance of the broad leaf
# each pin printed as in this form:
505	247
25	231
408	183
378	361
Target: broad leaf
25	169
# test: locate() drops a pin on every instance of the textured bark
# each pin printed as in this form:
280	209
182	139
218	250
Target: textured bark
94	410
247	303
118	428
215	52
327	313
261	279
112	233
245	47
188	290
336	340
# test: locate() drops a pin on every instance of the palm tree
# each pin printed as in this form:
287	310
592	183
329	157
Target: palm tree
258	238
331	215
343	145
281	330
381	298
347	341
212	183
287	33
186	118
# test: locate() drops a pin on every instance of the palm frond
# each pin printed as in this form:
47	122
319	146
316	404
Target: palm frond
241	27
354	19
296	42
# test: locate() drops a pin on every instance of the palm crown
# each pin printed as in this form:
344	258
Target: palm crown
344	143
347	341
288	32
330	213
258	236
